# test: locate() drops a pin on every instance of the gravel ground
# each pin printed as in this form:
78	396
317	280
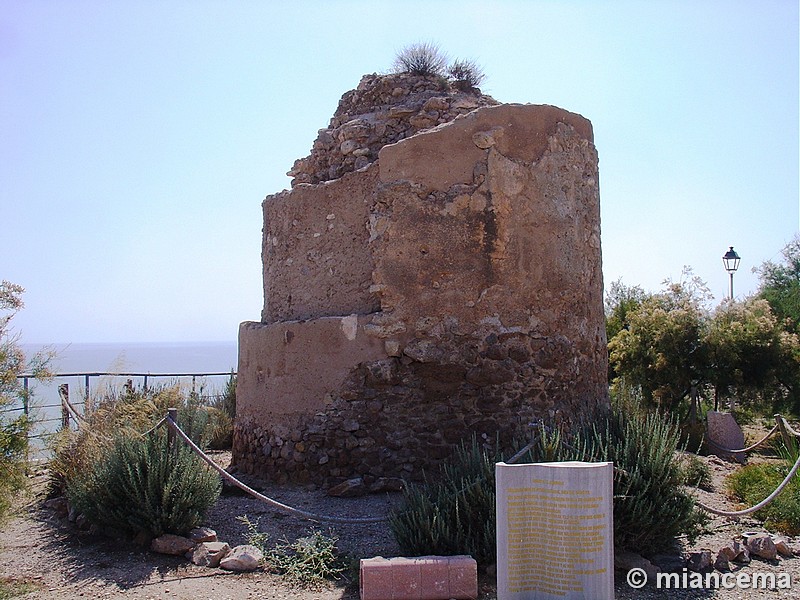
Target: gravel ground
38	547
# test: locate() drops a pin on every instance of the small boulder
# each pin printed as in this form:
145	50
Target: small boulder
700	561
668	563
783	547
58	505
203	534
722	563
625	561
761	545
736	551
386	484
208	554
176	545
242	558
349	489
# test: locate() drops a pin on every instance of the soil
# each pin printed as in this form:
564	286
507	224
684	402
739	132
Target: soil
60	562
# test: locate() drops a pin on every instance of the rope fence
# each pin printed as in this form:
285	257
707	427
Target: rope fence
788	434
781	425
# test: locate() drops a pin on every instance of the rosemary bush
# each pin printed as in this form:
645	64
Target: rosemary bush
138	487
132	411
456	513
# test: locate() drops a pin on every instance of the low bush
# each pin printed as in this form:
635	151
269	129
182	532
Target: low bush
752	483
422	58
696	473
132	411
307	561
466	74
14	427
13	461
140	487
455	514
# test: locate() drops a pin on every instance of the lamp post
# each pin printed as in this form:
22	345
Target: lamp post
731	262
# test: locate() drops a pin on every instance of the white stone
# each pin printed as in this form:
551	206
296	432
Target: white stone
546	511
242	558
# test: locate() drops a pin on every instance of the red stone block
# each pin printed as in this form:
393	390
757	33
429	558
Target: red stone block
375	579
434	578
423	578
463	577
406	578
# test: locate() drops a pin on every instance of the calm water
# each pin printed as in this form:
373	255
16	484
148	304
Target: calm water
198	357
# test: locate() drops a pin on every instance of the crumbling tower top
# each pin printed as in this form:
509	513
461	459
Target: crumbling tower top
382	110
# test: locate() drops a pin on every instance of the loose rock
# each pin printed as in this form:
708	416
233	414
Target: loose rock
168	543
761	545
242	558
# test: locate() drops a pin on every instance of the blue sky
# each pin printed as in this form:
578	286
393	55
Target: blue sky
137	139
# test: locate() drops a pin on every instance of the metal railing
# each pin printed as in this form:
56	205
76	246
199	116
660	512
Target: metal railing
64	393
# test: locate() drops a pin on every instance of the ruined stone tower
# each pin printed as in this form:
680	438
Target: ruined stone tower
434	272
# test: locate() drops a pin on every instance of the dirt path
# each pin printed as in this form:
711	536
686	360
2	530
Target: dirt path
38	547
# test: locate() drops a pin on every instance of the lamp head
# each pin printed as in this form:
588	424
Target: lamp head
731	260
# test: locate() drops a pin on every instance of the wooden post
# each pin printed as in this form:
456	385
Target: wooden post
25	392
172	414
63	392
788	438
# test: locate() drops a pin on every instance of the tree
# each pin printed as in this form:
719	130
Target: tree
659	344
749	352
667	344
780	285
620	301
13	430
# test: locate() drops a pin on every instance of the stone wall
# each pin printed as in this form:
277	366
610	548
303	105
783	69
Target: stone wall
451	287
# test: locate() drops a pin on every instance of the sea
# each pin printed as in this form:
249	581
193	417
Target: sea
202	366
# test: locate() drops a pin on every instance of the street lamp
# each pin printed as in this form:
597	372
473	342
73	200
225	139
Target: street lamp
731	262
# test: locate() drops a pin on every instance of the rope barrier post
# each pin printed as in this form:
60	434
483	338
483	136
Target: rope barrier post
172	415
63	391
788	438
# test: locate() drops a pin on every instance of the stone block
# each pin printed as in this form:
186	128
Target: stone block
422	578
724	432
554	530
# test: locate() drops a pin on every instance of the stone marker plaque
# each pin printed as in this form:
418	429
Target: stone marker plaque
724	432
555	535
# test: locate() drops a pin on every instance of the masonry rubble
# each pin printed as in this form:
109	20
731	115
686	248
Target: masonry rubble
433	274
733	556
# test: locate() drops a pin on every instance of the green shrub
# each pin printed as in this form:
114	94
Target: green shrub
13	394
696	473
456	513
13	461
222	412
751	484
131	411
307	561
422	58
651	507
138	487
